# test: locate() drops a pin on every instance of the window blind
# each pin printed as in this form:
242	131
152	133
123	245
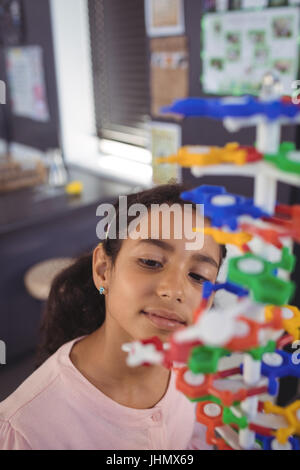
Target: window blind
120	69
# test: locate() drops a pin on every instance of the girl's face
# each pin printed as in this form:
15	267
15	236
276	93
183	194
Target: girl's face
156	284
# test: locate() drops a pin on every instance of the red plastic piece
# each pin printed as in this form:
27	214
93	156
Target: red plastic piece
261	430
284	340
180	351
198	312
268	235
289	218
252	154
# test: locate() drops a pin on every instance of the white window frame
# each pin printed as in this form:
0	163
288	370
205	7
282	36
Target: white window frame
73	63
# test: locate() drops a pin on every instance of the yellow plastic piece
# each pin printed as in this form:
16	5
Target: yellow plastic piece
231	153
292	415
291	325
74	188
237	239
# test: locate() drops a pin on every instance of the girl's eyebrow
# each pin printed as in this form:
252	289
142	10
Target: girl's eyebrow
166	246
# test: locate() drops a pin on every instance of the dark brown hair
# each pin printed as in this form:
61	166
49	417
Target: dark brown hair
74	307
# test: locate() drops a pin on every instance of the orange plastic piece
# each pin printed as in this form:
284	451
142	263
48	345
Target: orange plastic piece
251	340
292	415
192	156
194	391
211	422
268	235
223	238
207	387
289	218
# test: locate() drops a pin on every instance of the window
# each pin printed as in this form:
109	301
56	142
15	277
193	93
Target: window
120	69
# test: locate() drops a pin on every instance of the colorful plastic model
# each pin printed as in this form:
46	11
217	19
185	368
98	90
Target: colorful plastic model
257	326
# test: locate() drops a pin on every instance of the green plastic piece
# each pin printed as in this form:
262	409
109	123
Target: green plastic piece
257	353
230	418
284	159
265	287
207	398
204	359
288	260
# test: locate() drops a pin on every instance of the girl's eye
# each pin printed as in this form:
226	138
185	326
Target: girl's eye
198	278
151	263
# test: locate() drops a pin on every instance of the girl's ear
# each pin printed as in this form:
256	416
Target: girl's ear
100	267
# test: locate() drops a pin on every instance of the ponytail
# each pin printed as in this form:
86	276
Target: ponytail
68	315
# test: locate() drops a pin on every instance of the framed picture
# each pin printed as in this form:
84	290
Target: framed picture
165	140
164	17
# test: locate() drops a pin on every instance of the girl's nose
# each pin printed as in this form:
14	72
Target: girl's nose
171	286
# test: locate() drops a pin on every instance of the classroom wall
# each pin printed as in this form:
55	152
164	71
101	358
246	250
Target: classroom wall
208	131
37	24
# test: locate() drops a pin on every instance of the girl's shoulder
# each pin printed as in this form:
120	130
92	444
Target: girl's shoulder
38	393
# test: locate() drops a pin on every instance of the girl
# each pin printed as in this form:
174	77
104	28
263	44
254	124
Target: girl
83	395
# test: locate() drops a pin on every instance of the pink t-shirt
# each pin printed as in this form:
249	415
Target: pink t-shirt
58	408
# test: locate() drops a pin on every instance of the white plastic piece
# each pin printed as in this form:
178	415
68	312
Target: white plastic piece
229	436
234	385
251	371
217	326
287	313
193	379
275	445
140	353
246	439
268	136
293	156
272	359
198	149
212	410
251	266
265	191
241	329
249	406
269	420
223	200
298	414
216	330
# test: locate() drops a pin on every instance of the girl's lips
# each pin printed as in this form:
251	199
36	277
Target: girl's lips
163	323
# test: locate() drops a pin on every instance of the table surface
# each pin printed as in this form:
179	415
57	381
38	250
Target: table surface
39	204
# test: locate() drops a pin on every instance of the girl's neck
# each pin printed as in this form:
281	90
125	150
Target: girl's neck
102	362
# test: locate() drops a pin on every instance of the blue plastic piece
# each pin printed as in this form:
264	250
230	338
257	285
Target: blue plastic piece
227	213
272	383
220	108
209	288
266	442
287	368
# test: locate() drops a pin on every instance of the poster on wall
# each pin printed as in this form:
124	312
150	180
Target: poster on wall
26	82
165	140
239	47
11	22
169	72
164	17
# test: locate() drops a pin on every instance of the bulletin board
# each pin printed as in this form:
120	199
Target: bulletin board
169	72
240	46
